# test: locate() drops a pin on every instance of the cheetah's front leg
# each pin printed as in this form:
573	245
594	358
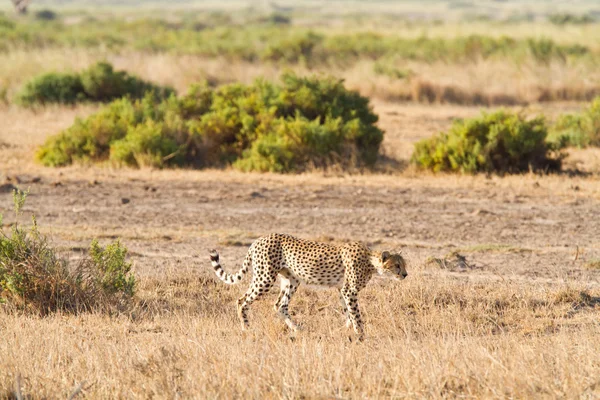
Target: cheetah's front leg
345	309
289	285
351	299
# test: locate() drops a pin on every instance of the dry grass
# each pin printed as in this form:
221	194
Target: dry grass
483	82
429	336
593	264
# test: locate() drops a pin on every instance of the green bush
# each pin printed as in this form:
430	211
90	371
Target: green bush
98	83
146	144
301	123
90	139
52	88
113	272
33	277
299	48
578	130
498	142
102	83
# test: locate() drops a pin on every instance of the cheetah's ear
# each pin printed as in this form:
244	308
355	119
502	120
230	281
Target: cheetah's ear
385	255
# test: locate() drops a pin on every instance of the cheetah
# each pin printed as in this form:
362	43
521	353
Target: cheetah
347	267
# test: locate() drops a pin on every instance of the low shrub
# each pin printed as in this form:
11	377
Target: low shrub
100	83
498	142
301	123
113	273
297	48
52	88
578	130
33	277
146	144
90	139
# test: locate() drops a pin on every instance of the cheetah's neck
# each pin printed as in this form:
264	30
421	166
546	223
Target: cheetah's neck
375	259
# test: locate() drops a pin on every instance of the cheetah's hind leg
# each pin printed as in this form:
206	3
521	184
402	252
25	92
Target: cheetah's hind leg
257	289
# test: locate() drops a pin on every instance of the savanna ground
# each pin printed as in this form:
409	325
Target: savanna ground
502	297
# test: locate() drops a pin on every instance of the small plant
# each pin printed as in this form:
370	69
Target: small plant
114	273
34	278
498	142
578	130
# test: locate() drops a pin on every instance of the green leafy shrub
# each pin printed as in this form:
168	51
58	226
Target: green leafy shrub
578	130
113	272
498	142
90	139
53	88
102	83
294	49
99	83
33	277
146	144
301	123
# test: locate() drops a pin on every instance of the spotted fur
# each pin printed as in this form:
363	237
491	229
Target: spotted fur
348	267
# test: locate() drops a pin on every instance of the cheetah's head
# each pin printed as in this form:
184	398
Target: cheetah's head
392	264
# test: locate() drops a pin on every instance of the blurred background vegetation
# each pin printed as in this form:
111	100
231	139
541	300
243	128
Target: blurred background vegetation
480	53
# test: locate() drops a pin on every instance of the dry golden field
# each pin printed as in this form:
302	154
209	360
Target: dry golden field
502	298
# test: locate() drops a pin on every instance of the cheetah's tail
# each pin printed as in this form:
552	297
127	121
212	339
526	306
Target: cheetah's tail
229	279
